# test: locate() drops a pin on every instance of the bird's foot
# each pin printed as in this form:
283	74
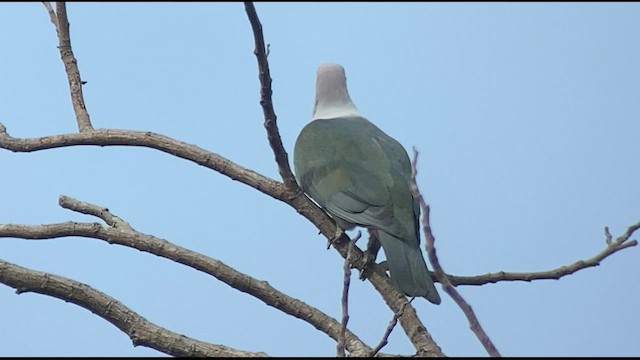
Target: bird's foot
335	237
370	255
369	258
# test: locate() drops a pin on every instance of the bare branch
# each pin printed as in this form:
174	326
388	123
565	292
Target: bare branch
113	137
344	300
129	237
627	234
474	323
297	199
90	209
397	302
61	23
52	15
622	242
340	346
410	322
449	281
266	101
288	192
141	331
385	338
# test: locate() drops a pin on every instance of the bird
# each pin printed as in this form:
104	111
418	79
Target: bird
361	177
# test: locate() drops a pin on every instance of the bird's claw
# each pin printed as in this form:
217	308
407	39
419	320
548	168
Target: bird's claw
369	258
335	237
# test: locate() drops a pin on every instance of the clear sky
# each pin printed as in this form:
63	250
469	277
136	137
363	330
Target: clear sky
526	116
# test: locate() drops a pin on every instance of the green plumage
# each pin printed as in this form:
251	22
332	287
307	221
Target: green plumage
361	176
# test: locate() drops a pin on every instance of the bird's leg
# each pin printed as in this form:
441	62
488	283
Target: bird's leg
373	246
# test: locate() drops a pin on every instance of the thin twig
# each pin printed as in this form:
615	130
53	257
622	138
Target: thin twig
385	337
52	15
90	209
554	274
344	300
621	243
474	323
141	331
340	346
61	23
627	234
266	101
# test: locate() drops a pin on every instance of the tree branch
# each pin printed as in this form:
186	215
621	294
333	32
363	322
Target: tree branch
344	300
52	15
118	230
141	331
474	323
298	200
111	137
622	242
61	23
387	332
90	209
395	300
115	137
282	159
127	236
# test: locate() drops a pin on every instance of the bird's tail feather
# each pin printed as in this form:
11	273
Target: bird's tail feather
408	268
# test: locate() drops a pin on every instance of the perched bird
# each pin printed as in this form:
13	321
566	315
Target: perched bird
361	177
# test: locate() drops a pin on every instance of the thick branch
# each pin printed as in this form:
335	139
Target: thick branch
129	237
110	137
282	159
61	23
140	330
114	137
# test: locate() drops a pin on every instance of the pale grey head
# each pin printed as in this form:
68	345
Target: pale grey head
332	96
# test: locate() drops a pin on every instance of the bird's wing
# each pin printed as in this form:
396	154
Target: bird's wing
344	165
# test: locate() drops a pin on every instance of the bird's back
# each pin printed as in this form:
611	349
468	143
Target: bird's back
358	173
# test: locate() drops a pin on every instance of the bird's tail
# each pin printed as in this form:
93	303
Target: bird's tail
408	268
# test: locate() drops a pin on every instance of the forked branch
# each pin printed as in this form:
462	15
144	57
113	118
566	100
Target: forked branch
121	233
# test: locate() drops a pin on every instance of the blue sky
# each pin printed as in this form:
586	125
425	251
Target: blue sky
526	117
